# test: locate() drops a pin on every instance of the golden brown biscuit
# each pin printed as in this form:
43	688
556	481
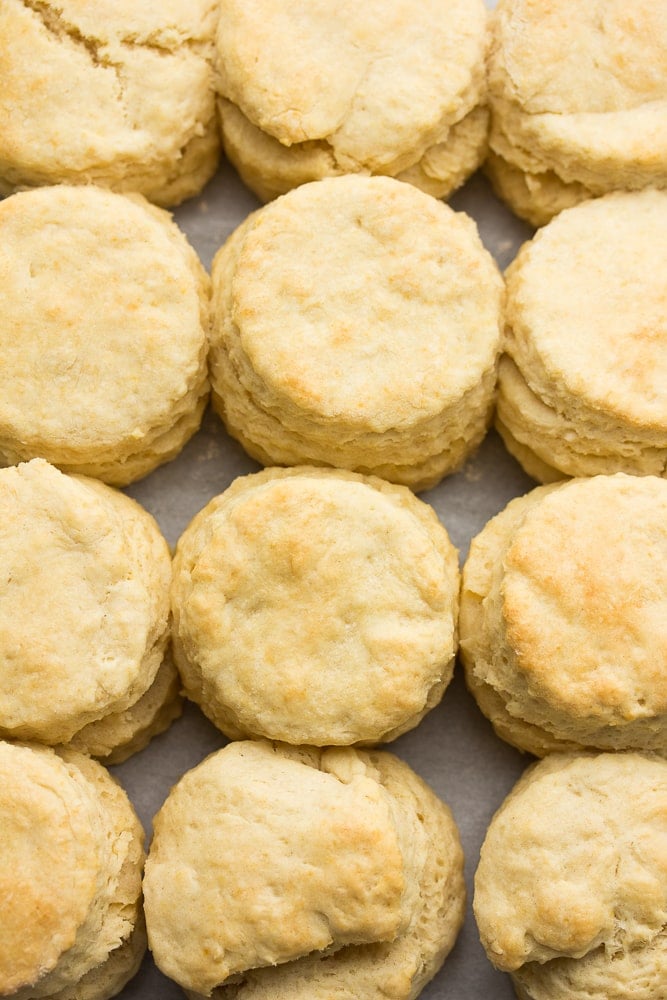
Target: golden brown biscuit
356	324
108	376
578	95
321	89
84	615
571	888
70	871
582	383
118	94
315	606
289	871
564	616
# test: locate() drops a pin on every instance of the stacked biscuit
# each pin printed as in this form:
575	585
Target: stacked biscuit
356	323
578	96
72	854
116	94
322	89
325	870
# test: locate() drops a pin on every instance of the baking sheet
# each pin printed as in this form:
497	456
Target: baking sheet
454	748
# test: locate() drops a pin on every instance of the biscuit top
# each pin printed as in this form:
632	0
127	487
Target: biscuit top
265	853
587	308
376	80
332	594
365	301
596	57
575	859
49	869
85	578
102	329
91	88
584	598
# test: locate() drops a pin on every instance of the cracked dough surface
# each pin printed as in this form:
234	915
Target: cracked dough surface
85	605
108	377
116	94
571	887
583	382
311	852
350	87
315	607
70	882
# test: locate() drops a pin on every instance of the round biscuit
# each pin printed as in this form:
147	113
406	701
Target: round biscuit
108	376
118	94
315	606
356	323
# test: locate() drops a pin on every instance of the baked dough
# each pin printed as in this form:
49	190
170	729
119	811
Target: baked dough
564	616
582	382
571	888
70	877
103	333
356	323
118	93
321	89
84	615
315	606
578	95
282	871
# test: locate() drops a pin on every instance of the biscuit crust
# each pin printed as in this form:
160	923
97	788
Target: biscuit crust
108	377
108	93
315	606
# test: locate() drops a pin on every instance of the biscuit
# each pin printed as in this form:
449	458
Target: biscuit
571	888
103	333
315	606
564	616
322	89
115	94
72	854
356	323
582	382
294	872
84	615
578	96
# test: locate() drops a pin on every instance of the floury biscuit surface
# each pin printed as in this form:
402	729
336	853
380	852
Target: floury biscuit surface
321	89
583	382
103	333
578	92
70	871
356	323
106	92
315	606
571	887
322	871
564	616
84	615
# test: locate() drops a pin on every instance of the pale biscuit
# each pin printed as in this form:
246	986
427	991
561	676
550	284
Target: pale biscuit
119	94
315	606
103	333
72	853
571	888
582	383
356	323
564	616
84	615
321	89
282	871
578	95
